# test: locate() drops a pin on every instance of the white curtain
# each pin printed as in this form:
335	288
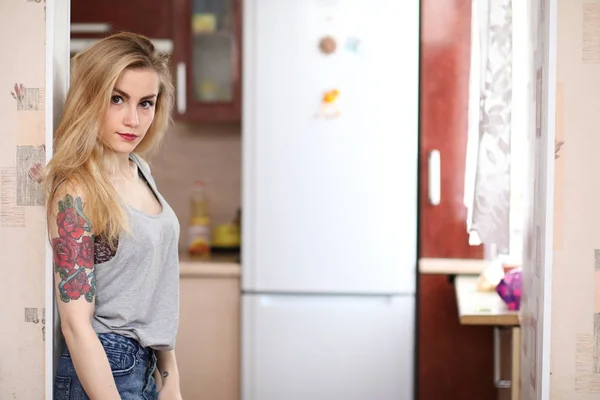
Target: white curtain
488	164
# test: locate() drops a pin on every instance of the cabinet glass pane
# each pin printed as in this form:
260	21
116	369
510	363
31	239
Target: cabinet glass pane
212	49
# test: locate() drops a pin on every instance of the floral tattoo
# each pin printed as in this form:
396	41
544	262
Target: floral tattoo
74	251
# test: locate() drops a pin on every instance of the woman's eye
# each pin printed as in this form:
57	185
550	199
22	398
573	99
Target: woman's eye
116	99
146	104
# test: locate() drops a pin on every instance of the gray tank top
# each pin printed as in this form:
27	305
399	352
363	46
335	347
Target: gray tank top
137	288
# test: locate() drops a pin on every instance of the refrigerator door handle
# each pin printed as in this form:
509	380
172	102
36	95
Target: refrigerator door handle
91	27
434	178
318	300
181	88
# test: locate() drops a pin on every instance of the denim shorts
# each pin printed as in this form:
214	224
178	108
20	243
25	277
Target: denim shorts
132	368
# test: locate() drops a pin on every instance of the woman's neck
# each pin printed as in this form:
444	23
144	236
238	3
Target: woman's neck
118	166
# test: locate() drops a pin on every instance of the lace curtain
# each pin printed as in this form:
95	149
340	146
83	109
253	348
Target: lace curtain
488	168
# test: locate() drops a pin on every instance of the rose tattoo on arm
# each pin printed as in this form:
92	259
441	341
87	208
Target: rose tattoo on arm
73	251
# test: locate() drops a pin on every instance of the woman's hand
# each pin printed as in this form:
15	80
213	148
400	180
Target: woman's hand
169	392
167	367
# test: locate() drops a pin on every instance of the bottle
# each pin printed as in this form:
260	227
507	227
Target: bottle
199	229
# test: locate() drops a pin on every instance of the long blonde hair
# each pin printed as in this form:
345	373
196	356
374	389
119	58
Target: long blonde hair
79	154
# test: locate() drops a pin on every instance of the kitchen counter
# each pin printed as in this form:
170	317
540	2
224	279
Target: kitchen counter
451	266
216	266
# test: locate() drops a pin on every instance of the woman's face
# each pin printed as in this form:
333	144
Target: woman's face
131	109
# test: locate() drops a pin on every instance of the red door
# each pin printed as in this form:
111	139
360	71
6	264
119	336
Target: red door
454	362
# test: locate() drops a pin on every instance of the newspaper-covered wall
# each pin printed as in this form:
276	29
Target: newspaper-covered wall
561	281
575	317
22	215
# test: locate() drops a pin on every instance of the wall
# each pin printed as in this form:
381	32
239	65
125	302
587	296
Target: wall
575	319
561	332
537	254
211	153
22	216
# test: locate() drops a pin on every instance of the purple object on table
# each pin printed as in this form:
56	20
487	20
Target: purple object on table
509	289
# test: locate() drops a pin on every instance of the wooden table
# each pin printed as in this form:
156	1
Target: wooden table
487	308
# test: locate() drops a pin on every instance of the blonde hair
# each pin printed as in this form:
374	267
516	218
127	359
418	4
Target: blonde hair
79	154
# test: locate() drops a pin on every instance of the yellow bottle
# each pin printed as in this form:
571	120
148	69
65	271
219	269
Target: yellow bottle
199	239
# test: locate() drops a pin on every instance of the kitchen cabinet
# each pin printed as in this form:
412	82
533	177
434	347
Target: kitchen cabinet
207	59
454	361
151	18
204	37
445	55
208	341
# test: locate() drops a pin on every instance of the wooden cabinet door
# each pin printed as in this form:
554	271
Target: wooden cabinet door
445	63
151	18
454	361
207	60
208	341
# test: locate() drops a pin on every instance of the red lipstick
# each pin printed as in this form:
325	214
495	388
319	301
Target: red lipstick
130	137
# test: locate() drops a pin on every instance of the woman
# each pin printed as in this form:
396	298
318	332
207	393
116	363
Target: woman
114	237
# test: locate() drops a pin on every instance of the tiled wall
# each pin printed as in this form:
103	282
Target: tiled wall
22	215
211	153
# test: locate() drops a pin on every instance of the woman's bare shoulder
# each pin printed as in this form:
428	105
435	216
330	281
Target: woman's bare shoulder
71	187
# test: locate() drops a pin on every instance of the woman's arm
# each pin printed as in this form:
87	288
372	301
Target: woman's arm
71	233
167	367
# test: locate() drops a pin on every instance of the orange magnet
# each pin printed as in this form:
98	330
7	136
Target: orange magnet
329	104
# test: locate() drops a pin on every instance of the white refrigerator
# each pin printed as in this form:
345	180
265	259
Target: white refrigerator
330	167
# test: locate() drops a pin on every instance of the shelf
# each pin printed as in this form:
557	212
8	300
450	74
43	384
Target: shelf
220	34
451	266
217	266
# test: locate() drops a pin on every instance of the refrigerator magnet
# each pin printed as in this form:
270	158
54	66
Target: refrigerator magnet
354	45
327	45
329	104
